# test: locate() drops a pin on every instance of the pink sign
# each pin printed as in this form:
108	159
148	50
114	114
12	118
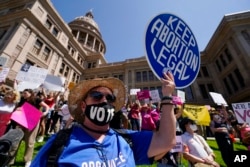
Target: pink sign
144	94
177	100
4	119
28	116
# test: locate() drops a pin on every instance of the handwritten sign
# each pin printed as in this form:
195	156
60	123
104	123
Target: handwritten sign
54	83
134	91
28	116
32	74
242	112
178	146
144	94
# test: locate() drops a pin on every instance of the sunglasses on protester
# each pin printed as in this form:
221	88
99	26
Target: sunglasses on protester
99	95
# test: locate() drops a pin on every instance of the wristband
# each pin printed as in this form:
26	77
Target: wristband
167	103
166	98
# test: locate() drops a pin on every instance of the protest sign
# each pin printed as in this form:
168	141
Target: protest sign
3	73
144	94
197	113
54	83
242	111
27	115
134	91
32	74
171	46
218	98
181	94
155	97
178	146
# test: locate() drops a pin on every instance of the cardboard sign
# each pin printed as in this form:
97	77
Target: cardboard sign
171	46
218	98
28	116
181	94
242	112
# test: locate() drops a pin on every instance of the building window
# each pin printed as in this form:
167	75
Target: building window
229	56
204	71
203	91
232	81
210	88
239	77
218	65
223	61
138	76
37	47
227	86
55	32
246	36
150	76
48	24
144	76
46	53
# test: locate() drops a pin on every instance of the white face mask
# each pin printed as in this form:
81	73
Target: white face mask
193	127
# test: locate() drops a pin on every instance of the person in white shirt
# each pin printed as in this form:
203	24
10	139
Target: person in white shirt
196	150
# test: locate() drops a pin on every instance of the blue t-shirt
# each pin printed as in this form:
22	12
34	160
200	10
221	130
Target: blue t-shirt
83	150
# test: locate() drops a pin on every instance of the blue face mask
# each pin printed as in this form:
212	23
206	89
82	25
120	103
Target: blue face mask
100	114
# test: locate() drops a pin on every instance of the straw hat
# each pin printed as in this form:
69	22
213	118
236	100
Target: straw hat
83	87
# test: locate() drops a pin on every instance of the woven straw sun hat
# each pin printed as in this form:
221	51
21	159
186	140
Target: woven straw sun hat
79	91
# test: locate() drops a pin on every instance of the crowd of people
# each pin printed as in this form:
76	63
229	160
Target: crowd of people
94	108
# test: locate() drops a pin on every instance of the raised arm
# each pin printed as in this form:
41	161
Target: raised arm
164	139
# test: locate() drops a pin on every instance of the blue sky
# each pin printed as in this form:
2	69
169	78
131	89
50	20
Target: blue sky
123	22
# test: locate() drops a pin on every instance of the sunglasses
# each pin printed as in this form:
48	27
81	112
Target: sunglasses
99	95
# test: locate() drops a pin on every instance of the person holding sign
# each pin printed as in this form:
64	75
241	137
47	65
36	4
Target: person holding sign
92	142
196	149
220	130
7	106
28	96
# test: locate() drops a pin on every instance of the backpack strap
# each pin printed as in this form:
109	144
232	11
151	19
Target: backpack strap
57	147
125	135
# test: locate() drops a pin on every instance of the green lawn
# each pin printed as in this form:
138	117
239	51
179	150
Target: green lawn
237	147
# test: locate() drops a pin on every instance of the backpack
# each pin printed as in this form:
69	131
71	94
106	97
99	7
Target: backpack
63	136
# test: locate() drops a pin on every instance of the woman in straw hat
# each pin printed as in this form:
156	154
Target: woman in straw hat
93	143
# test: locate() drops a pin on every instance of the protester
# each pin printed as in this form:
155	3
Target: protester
50	99
93	143
244	129
29	96
147	120
218	126
196	151
7	106
135	116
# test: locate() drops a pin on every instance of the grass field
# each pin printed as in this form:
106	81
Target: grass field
212	143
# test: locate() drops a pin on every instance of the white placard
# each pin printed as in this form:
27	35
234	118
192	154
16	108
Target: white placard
218	98
3	74
134	91
155	97
178	146
181	94
32	74
242	112
27	85
54	83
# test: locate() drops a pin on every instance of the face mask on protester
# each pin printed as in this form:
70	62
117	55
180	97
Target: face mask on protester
193	127
100	114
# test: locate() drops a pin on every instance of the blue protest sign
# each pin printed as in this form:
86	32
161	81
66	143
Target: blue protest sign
171	46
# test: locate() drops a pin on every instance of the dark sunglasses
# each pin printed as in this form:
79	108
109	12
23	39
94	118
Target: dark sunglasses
99	95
